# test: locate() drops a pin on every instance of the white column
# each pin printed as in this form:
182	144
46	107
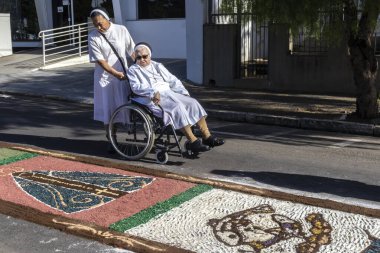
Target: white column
195	18
117	11
44	14
6	37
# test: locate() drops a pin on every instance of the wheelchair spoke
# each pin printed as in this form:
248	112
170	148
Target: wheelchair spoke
134	128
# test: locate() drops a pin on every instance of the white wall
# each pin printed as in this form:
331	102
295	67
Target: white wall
6	37
166	36
195	18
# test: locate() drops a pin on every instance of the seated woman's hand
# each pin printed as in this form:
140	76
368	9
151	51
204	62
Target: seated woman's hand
156	98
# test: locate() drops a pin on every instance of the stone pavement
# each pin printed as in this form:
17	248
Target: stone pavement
147	210
71	80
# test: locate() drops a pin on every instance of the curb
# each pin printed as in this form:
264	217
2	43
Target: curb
303	123
255	118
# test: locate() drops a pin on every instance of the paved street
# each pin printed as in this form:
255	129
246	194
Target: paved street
307	172
310	163
40	239
265	156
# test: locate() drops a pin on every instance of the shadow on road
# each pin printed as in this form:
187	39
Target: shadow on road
96	148
314	184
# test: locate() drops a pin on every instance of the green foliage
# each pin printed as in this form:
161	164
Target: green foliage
318	18
372	7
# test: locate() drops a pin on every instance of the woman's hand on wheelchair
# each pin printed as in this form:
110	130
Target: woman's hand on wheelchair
156	98
120	75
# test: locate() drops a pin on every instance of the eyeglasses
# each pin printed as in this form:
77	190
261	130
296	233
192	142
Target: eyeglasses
139	57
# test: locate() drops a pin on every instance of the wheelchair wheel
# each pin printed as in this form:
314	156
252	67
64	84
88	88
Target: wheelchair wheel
162	156
131	132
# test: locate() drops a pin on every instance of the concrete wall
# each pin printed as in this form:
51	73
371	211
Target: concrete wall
6	37
195	18
328	73
219	55
167	37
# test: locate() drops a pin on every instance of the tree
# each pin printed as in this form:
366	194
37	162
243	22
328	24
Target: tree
351	22
362	55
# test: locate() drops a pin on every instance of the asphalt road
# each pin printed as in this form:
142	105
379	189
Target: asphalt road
18	236
337	166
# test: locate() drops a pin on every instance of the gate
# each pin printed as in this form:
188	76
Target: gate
252	55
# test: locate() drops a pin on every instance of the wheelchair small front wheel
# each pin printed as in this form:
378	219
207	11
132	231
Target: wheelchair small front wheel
162	156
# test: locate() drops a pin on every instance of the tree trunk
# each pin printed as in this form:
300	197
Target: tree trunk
365	68
362	54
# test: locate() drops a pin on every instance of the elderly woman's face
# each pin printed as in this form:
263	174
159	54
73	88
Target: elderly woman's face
142	57
101	23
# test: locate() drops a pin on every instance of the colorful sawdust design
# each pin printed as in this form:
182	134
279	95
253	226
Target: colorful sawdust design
74	191
158	209
374	247
260	227
8	156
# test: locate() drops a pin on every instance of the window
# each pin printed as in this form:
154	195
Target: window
157	9
24	22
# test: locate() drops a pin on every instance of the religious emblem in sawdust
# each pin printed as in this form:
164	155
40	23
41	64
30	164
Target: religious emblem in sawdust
258	228
74	191
374	245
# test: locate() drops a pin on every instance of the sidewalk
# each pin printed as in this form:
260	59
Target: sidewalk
73	81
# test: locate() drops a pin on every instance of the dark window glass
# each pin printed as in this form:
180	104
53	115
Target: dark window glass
24	22
155	9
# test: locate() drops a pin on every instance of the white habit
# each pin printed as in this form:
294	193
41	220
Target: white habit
109	92
180	109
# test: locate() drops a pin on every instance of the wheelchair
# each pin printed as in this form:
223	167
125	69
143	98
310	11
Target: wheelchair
134	131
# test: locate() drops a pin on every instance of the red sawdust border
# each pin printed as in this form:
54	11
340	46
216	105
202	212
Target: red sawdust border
323	203
140	244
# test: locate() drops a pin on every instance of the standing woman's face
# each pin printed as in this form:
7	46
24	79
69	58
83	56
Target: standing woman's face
100	23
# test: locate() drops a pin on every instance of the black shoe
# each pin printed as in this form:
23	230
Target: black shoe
197	146
213	141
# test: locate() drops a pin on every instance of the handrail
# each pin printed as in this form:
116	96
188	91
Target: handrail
63	42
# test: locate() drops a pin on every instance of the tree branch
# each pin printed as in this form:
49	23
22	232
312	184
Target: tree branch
350	21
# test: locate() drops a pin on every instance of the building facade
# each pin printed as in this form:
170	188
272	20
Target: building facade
223	44
172	27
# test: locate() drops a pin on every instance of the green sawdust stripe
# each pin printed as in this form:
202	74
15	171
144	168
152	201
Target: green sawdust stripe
147	214
8	156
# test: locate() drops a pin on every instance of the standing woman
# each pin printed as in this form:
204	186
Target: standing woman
110	86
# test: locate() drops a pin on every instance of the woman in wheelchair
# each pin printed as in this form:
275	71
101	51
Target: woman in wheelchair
156	88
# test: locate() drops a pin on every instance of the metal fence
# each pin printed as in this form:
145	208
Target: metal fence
376	43
64	42
253	50
304	43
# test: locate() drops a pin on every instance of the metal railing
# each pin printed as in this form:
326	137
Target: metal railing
64	42
304	44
